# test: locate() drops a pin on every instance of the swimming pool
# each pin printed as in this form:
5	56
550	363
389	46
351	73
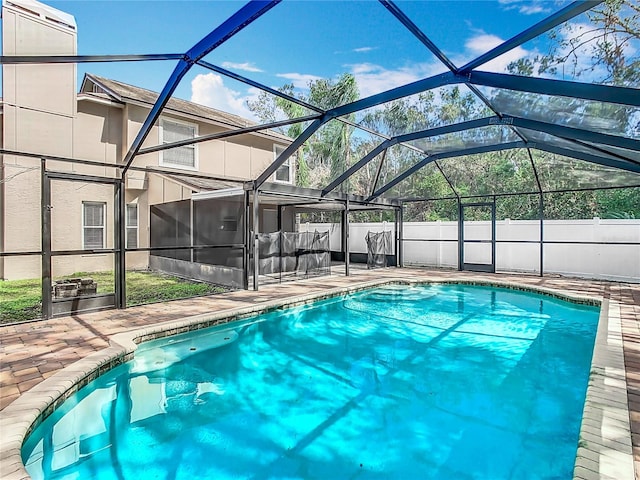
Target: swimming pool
436	381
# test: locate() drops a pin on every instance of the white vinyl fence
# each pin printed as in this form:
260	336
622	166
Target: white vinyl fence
605	249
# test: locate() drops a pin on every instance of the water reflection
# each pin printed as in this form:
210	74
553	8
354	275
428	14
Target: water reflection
441	380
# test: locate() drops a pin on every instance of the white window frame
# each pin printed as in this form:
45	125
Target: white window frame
130	227
162	163
103	226
277	150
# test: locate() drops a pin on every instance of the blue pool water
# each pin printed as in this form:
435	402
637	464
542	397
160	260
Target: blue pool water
438	381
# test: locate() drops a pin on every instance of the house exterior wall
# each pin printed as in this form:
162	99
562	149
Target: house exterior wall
38	110
42	113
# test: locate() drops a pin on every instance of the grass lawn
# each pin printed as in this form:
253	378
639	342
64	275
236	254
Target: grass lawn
21	299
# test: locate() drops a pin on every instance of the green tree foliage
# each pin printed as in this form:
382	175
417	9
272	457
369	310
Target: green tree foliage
327	153
603	49
610	39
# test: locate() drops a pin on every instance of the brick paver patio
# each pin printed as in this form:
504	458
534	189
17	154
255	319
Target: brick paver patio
31	352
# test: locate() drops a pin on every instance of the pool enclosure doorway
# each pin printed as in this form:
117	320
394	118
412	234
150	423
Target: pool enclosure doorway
477	242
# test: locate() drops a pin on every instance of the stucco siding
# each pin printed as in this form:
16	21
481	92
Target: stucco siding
97	132
66	225
43	114
36	86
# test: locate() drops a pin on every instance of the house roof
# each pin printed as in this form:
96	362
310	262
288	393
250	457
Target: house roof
43	11
123	92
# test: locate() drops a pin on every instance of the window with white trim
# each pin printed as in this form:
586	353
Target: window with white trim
178	157
132	225
284	173
93	225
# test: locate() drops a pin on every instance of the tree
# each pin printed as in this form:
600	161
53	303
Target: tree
336	146
604	48
328	152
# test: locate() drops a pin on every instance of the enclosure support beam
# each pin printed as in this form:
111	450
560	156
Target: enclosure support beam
572	133
546	86
419	34
120	245
256	242
259	86
627	165
430	132
49	59
246	241
401	235
419	86
541	214
438	156
460	235
45	208
290	150
539	28
227	134
493	235
397	232
280	239
378	172
239	20
345	236
382	147
540	209
191	224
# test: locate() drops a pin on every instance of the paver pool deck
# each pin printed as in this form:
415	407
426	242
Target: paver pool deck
32	352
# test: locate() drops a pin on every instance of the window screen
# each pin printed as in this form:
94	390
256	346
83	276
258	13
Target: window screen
93	225
283	173
132	225
179	156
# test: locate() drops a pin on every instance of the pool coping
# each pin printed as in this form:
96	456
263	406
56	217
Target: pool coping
604	449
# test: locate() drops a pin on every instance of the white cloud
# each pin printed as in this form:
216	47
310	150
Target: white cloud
247	66
533	9
209	89
526	8
299	80
363	49
374	79
482	43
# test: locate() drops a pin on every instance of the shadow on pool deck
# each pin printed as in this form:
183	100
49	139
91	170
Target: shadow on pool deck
34	351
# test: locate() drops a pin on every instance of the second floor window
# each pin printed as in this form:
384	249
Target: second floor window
284	173
179	157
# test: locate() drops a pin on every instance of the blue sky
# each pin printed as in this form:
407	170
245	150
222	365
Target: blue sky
297	41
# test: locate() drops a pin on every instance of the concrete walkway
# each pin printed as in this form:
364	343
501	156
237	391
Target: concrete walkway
31	352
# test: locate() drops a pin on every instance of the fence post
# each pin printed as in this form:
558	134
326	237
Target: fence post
247	242
345	236
256	241
460	236
541	213
280	238
120	245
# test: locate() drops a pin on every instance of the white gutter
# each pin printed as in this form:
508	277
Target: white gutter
222	193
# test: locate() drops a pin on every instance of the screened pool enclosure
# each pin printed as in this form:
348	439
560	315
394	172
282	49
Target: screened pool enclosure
540	128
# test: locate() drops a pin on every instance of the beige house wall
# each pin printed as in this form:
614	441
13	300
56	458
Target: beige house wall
39	105
43	114
243	157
